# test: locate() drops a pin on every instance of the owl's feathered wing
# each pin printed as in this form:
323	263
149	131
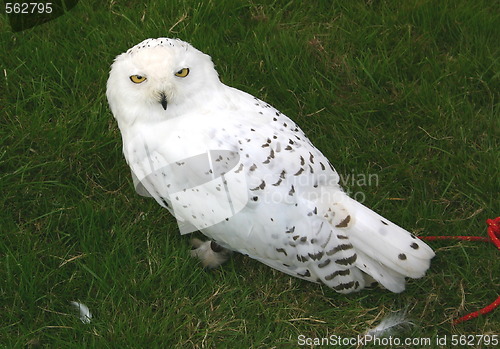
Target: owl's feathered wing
246	176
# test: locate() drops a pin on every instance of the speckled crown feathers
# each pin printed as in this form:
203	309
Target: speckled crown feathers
164	42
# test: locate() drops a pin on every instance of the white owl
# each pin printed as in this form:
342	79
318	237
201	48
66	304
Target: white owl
245	175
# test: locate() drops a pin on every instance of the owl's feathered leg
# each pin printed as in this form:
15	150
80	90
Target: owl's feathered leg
209	253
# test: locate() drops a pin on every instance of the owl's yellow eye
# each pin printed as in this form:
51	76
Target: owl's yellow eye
137	79
182	73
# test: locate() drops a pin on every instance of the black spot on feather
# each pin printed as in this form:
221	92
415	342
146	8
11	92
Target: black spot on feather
338	248
239	169
306	274
299	172
337	273
281	250
316	256
347	261
344	222
324	263
164	202
261	186
344	286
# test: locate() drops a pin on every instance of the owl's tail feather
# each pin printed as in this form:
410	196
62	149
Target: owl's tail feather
385	251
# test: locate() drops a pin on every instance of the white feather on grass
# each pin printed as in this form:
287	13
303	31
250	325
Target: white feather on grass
390	325
85	314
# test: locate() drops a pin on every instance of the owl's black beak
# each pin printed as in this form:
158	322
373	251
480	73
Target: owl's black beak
163	101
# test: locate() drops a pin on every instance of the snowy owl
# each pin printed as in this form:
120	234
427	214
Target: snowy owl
233	167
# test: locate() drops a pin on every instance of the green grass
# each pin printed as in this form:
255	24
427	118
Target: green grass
407	91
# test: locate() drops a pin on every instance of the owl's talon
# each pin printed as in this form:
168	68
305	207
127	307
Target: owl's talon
209	253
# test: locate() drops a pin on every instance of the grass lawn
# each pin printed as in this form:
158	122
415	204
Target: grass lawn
404	93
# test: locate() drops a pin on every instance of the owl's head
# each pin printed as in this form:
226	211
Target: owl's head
159	78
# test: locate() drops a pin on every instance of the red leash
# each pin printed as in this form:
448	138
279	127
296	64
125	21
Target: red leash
494	237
